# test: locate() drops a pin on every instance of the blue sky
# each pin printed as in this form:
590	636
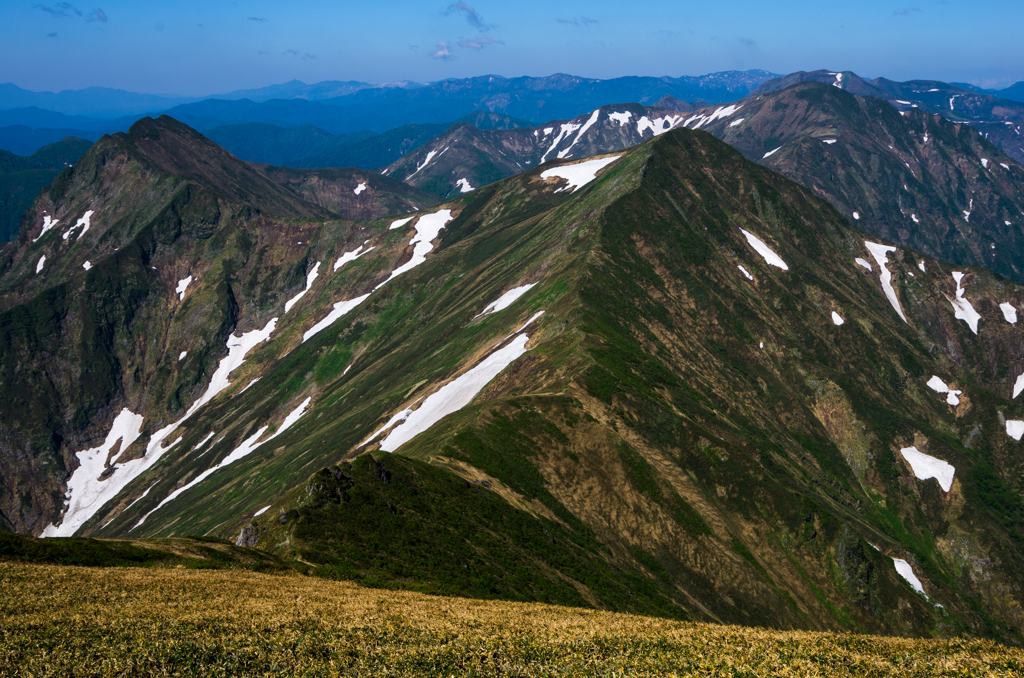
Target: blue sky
200	47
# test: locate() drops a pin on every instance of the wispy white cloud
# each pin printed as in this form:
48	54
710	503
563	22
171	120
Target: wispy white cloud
444	51
260	19
97	15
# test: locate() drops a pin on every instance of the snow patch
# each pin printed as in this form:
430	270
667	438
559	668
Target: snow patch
339	310
87	265
566	129
526	324
746	273
915	219
427	229
86	490
203	441
864	262
881	254
400	223
463	185
1015	428
262	511
856	216
984	163
769	256
238	348
360	188
1009	312
657	126
829	141
49	223
1019	386
926	467
734	123
451	397
310	277
939	386
587	125
181	356
240	452
42	262
426	161
837	319
720	113
505	300
136	501
182	286
350	256
904	569
621	118
580	174
771	152
1005	166
920	265
83	222
962	308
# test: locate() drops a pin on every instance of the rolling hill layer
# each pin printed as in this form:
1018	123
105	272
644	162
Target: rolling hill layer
666	380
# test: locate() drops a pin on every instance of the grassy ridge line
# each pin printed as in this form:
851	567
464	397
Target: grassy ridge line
76	621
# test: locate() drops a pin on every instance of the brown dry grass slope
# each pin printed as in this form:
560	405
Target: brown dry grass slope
141	622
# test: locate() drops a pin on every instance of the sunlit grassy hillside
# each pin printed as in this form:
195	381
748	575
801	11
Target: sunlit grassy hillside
63	621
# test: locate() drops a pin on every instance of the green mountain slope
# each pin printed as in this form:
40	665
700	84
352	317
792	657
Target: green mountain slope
661	419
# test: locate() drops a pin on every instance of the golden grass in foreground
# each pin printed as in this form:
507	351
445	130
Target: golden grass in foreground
136	622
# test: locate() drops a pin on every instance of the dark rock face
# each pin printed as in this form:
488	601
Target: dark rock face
248	537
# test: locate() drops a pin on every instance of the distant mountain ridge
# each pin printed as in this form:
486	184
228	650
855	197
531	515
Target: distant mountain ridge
344	107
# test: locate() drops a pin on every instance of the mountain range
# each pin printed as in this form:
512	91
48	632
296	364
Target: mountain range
663	380
347	107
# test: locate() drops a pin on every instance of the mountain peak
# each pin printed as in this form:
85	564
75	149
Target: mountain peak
177	149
